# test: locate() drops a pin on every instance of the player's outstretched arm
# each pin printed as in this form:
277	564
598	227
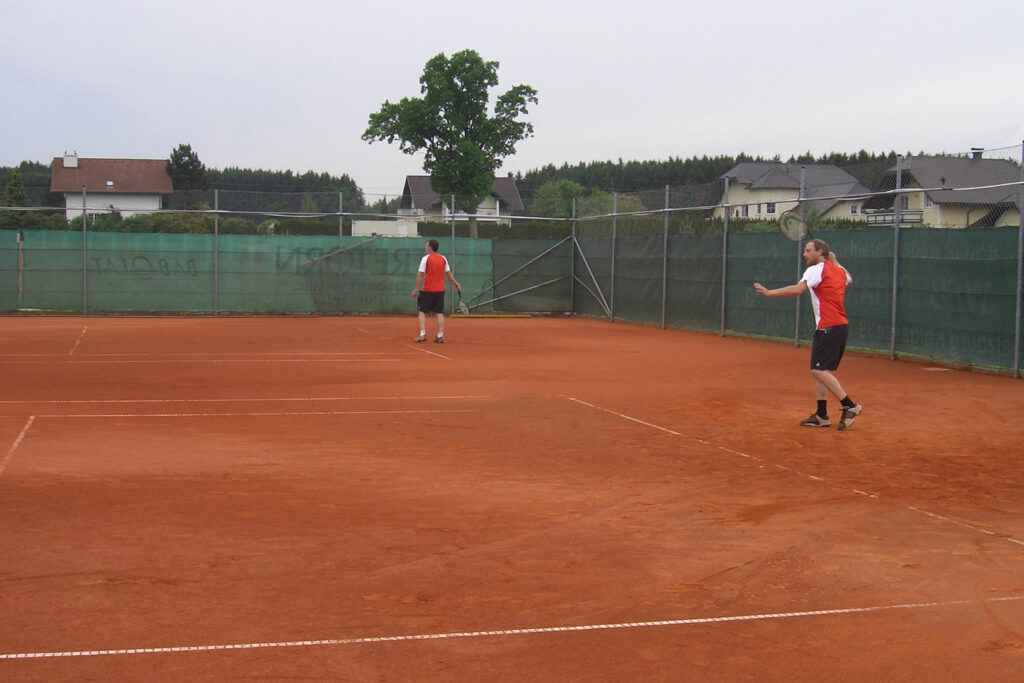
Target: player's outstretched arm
792	290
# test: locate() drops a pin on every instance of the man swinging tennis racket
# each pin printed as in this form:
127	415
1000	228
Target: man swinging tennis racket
429	290
827	281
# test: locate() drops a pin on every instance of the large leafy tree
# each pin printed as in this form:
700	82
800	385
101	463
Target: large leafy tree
187	172
463	143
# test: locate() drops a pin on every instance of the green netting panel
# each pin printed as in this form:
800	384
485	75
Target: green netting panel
511	255
638	279
52	270
958	294
773	261
694	282
125	272
269	274
597	252
8	270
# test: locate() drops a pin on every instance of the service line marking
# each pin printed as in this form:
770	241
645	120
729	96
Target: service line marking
80	338
840	487
242	400
503	632
422	350
625	417
80	360
17	442
267	414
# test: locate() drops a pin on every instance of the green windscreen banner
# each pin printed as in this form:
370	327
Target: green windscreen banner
954	296
9	245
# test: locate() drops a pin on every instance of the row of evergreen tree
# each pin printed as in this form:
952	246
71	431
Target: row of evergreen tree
620	176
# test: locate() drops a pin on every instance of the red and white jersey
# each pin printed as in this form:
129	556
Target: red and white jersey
433	266
827	283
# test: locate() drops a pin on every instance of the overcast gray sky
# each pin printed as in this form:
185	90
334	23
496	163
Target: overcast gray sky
290	85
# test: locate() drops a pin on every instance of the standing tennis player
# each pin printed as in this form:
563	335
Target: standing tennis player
827	281
430	289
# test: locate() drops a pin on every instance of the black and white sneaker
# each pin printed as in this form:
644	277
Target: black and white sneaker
849	414
816	420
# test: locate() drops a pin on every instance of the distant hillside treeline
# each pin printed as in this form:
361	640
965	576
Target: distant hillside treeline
632	176
621	176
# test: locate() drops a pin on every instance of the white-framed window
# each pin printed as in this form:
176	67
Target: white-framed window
769	208
853	209
758	209
904	203
927	202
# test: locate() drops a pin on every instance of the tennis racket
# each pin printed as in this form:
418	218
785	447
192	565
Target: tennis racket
793	226
336	252
462	307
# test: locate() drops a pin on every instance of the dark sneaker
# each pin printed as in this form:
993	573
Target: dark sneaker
421	338
816	420
439	340
848	416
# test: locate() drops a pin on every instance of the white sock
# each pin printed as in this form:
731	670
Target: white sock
440	334
423	333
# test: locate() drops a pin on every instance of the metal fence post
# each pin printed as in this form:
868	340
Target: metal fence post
1020	270
664	262
800	251
451	253
85	255
615	227
725	250
341	239
897	219
572	264
216	250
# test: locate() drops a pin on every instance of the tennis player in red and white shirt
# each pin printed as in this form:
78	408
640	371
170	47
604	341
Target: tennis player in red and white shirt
826	280
429	290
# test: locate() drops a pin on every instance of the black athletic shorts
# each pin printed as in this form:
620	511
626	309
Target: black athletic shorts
828	347
430	302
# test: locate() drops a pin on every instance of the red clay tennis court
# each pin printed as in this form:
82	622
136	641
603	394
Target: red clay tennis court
537	499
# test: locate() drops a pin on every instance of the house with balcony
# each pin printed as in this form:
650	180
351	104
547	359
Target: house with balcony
949	192
766	190
129	186
421	202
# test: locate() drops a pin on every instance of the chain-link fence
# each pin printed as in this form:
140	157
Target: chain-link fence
934	244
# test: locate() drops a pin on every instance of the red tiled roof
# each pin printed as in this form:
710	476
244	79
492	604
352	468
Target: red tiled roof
129	176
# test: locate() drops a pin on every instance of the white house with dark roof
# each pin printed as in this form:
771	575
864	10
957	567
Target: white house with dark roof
419	200
129	186
767	189
935	197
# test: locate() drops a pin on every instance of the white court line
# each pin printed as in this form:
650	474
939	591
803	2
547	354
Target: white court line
417	348
243	400
268	414
80	360
17	442
840	487
625	417
211	354
80	338
504	632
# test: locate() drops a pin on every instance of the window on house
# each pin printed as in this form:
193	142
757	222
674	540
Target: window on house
853	209
769	208
758	209
927	202
904	203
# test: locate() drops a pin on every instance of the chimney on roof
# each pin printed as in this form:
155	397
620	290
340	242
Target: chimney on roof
976	152
71	160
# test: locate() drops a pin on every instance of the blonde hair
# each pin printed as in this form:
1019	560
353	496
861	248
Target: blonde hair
822	246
